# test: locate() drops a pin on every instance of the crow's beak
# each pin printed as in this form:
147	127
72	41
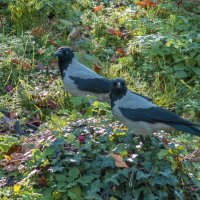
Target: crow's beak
58	53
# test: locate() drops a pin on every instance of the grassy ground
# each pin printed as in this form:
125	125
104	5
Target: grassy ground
54	146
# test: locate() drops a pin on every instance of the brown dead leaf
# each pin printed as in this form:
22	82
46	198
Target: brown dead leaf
38	31
25	65
52	104
42	181
97	8
165	141
10	167
35	121
15	60
97	68
41	51
119	161
8	88
13	115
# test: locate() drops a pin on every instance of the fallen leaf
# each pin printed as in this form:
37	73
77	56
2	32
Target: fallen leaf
25	65
147	3
41	51
13	115
115	32
11	168
81	138
118	33
111	31
164	140
39	65
97	68
97	8
42	181
38	31
119	161
15	60
8	88
52	104
121	51
35	121
16	188
8	158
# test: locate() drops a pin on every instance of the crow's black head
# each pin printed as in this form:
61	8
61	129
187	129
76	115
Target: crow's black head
118	89
65	53
65	56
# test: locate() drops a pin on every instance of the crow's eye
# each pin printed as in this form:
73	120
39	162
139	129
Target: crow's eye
122	83
115	83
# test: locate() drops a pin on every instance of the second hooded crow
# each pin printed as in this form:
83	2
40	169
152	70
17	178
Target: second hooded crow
142	116
78	79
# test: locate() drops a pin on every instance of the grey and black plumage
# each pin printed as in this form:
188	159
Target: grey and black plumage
142	116
78	79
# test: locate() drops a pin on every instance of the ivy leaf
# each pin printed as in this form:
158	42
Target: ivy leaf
162	153
179	67
196	70
85	180
75	193
70	138
181	74
74	172
142	175
49	151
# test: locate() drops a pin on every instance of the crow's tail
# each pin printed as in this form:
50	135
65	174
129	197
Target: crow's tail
190	128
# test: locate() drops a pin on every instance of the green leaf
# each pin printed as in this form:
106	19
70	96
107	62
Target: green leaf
60	177
75	193
162	153
6	142
74	172
181	74
196	70
179	67
141	175
112	198
70	138
85	180
49	151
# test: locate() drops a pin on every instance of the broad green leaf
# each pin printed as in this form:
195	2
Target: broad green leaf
85	180
162	153
141	175
70	138
49	151
56	195
74	172
196	70
179	67
75	193
181	74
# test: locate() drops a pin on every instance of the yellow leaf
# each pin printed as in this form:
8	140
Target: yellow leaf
8	158
119	161
17	188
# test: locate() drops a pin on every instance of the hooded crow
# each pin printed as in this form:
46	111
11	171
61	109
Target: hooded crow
141	115
78	79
